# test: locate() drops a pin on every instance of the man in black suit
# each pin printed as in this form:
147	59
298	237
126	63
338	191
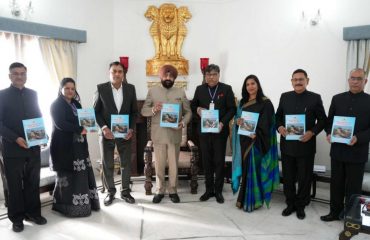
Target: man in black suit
298	156
218	96
22	164
116	97
348	161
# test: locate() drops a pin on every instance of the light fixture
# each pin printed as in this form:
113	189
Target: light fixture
313	18
203	64
21	8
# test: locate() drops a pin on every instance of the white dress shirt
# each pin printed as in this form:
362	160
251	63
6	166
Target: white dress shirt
118	97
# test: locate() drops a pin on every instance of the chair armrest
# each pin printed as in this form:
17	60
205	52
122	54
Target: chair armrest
149	143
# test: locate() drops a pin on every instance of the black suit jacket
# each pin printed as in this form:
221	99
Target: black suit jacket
224	102
351	105
65	124
104	104
17	105
310	104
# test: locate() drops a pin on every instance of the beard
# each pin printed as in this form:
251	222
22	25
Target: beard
167	83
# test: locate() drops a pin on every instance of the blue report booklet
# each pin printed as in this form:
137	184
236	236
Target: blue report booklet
119	125
342	130
210	121
249	124
170	115
86	119
34	130
295	126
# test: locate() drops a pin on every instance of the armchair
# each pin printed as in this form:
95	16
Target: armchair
188	160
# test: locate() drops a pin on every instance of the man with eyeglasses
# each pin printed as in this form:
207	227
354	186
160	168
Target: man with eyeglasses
22	163
348	160
218	96
297	156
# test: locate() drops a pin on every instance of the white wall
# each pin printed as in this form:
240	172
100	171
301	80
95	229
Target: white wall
266	38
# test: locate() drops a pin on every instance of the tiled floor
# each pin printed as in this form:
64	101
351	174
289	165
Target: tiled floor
189	219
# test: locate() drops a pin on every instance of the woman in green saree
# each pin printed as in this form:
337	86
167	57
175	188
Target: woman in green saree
255	167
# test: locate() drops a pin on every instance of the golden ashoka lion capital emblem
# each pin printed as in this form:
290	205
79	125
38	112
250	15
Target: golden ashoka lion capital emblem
168	31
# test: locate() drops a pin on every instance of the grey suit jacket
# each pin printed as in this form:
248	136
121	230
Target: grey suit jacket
158	94
104	104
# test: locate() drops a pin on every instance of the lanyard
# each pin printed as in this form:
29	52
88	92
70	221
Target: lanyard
214	94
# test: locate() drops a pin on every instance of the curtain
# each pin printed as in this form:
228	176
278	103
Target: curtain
60	57
358	54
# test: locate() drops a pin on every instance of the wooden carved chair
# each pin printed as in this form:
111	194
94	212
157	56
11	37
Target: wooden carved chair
188	160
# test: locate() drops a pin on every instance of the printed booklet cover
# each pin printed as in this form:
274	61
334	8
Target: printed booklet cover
210	121
119	125
170	115
86	118
295	126
342	130
34	130
249	124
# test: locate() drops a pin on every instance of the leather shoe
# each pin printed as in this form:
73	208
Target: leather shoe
300	214
206	196
175	198
158	198
219	198
18	226
39	220
127	197
108	199
288	210
330	217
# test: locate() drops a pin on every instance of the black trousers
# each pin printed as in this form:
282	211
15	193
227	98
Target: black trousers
107	151
23	177
213	149
297	169
346	180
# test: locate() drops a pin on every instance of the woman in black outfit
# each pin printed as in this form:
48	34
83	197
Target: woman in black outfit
75	193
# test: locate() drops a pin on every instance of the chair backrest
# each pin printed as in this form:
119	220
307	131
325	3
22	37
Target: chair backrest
186	132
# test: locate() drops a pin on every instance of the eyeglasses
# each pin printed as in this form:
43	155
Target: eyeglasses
356	78
23	74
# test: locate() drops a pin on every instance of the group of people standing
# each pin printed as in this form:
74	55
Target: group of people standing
255	172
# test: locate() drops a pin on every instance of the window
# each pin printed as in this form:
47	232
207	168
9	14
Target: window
26	49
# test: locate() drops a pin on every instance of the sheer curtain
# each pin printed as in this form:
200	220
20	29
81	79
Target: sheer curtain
358	54
60	57
47	62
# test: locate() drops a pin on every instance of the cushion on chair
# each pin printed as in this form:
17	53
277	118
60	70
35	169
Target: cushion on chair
184	137
184	160
366	182
47	176
45	155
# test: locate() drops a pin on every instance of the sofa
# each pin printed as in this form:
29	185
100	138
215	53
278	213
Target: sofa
47	176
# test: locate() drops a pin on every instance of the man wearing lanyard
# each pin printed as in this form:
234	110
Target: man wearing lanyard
218	96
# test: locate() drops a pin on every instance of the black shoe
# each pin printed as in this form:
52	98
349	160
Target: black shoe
287	211
175	198
18	227
108	199
39	220
127	197
330	217
206	196
158	198
300	214
219	198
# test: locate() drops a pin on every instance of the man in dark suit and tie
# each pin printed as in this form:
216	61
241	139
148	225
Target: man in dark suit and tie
219	96
116	97
348	161
298	156
22	163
